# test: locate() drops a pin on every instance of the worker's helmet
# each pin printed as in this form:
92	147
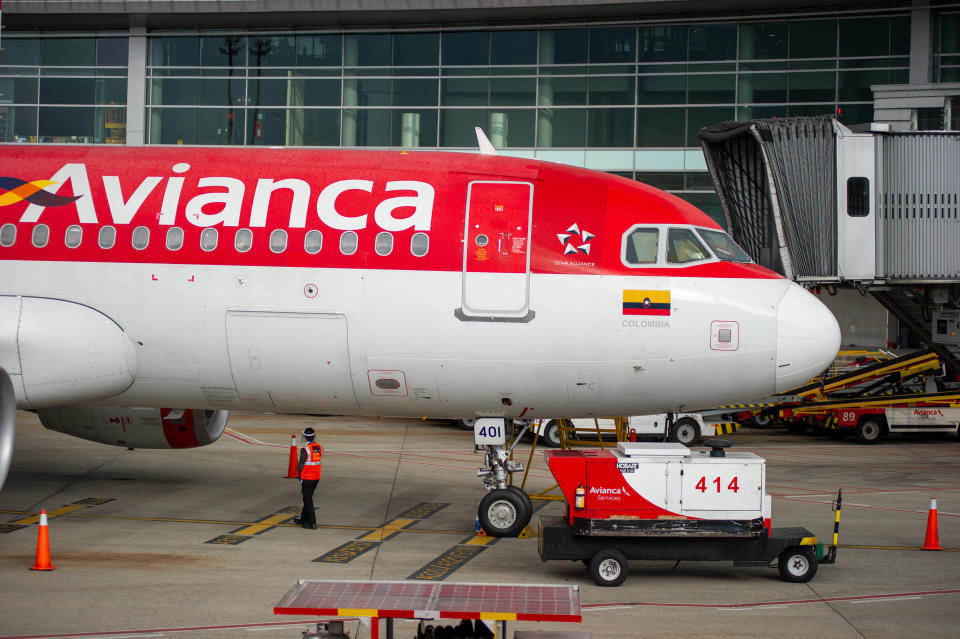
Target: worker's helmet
309	433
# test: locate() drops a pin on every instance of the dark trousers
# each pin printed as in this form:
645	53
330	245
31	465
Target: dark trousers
307	516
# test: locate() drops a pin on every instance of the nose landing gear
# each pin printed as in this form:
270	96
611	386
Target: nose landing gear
505	510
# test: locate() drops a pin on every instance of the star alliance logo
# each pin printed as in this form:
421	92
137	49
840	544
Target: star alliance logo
575	241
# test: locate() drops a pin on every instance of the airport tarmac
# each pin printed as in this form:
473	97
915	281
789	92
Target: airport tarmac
198	543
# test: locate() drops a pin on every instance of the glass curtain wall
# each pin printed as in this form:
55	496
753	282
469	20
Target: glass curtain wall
63	89
635	95
647	86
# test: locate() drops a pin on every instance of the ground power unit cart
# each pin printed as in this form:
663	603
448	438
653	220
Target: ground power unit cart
666	502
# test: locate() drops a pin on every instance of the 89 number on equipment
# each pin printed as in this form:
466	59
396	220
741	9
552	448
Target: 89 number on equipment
716	483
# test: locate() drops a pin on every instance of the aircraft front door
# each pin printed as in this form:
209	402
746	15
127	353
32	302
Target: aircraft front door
496	252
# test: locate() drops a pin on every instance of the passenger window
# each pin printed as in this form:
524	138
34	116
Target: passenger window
141	237
723	246
73	236
8	235
313	242
419	244
642	246
348	243
243	240
41	233
384	243
278	241
107	237
208	239
683	246
174	238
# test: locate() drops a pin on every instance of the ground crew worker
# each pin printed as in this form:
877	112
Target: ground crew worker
309	467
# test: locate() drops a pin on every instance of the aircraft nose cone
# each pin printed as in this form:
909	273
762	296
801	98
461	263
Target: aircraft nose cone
808	338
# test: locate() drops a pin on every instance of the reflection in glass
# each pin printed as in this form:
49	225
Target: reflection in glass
8	235
723	247
175	52
563	46
813	39
66	124
513	47
223	51
73	236
278	241
112	52
662	43
67	52
464	92
513	91
141	238
21	51
419	244
711	88
208	239
713	42
174	238
348	242
41	234
683	246
383	245
661	127
466	48
562	127
641	246
243	240
813	86
106	237
613	44
765	40
611	90
313	242
319	50
416	49
662	89
610	127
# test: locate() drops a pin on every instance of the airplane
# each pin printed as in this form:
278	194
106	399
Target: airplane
145	292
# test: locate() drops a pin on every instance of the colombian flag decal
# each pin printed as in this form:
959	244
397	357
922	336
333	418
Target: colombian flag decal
646	302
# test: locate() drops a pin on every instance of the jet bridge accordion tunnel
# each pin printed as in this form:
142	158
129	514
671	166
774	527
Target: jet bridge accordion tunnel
776	180
826	205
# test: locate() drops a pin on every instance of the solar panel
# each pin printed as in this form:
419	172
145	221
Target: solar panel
419	600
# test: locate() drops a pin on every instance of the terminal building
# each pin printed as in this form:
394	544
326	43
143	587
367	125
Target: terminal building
619	86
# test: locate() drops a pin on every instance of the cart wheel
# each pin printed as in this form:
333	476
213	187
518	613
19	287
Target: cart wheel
503	513
869	431
528	505
465	424
551	434
686	431
609	568
797	564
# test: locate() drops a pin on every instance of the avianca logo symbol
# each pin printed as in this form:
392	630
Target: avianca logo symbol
575	241
32	192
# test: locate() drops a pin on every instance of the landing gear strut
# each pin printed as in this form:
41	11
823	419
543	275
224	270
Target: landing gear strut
505	510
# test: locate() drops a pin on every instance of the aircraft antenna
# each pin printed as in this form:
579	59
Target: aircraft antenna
486	146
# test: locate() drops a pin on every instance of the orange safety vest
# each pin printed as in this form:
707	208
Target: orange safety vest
311	467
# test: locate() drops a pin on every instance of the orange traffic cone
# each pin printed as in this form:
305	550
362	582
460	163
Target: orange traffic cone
932	539
43	546
292	470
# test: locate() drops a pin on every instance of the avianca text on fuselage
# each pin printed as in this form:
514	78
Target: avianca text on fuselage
336	204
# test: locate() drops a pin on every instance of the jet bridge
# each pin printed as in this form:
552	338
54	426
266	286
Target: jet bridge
828	206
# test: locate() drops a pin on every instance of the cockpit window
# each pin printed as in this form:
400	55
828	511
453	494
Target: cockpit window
723	246
683	246
642	246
